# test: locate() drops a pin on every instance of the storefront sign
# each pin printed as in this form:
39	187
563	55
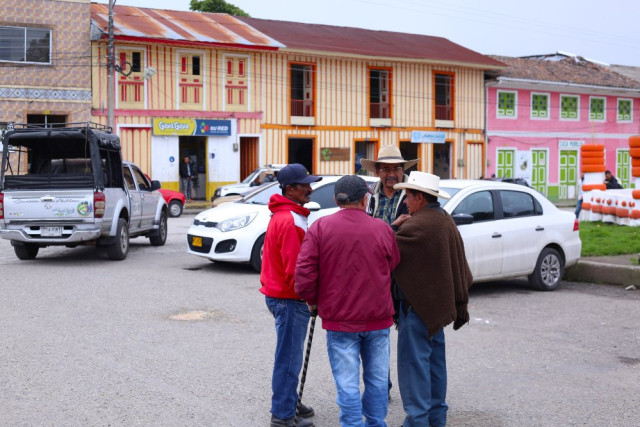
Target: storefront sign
418	136
191	127
569	144
332	154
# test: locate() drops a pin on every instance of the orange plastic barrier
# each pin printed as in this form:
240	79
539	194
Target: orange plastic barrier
596	208
592	161
634	141
635	194
592	147
635	171
586	206
635	214
593	168
591	154
591	187
634	152
622	213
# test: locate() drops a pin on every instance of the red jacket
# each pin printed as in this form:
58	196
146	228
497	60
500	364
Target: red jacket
281	247
344	267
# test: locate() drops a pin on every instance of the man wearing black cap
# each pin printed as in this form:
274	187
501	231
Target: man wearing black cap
285	232
348	281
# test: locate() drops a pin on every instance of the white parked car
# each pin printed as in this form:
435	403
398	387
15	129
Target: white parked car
234	231
512	231
248	184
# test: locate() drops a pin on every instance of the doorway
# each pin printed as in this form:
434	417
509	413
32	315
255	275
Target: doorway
409	151
442	160
300	150
249	155
195	148
364	150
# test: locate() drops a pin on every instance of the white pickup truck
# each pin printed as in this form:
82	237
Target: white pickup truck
67	186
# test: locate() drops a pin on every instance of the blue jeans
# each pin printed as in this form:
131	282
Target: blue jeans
186	187
292	318
345	351
422	371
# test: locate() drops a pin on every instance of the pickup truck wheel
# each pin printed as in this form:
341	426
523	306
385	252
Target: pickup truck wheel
159	237
120	248
26	251
256	254
175	208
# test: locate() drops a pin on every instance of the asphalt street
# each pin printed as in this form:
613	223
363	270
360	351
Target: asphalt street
164	338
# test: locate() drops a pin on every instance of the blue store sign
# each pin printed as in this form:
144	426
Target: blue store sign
213	127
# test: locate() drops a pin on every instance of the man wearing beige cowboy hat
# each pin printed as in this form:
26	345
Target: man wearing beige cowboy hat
433	279
387	202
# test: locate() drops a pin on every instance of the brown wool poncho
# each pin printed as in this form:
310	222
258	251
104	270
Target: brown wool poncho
433	272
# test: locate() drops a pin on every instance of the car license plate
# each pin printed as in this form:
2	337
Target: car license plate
196	241
51	231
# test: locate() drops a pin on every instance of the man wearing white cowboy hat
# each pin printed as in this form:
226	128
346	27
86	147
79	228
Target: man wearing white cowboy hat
386	202
433	279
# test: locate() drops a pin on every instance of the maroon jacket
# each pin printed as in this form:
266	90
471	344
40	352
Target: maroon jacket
344	267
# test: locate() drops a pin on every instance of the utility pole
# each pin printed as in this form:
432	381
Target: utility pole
110	69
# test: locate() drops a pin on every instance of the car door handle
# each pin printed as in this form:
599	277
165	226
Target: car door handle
496	235
539	228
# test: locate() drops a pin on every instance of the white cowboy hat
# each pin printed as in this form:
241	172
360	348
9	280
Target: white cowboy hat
387	154
425	182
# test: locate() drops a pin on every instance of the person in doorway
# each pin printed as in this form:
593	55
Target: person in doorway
186	174
611	181
433	279
386	202
344	269
285	232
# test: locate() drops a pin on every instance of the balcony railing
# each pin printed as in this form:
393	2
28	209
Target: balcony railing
301	108
444	112
379	110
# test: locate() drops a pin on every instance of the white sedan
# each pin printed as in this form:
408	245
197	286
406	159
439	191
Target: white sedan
512	231
234	232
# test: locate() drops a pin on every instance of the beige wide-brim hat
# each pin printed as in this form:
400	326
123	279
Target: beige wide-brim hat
425	182
387	154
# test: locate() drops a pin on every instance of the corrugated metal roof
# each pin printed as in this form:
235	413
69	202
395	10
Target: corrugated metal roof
219	28
358	41
569	70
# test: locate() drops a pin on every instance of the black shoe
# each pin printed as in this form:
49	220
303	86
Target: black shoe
277	422
306	411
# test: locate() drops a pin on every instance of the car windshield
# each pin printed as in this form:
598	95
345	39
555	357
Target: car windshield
262	195
251	176
451	192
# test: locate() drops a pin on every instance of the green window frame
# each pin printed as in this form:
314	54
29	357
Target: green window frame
507	104
540	105
597	108
569	106
625	113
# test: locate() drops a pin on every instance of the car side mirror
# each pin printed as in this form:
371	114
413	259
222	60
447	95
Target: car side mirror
462	219
313	206
155	185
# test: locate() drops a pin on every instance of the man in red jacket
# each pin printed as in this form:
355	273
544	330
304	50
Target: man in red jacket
344	268
281	247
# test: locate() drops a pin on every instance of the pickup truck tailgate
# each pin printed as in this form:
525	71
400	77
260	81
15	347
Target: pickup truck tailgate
48	206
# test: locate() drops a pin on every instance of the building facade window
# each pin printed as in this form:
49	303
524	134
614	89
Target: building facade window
379	94
190	83
625	110
539	105
236	83
24	44
507	104
301	80
597	110
444	87
569	107
131	86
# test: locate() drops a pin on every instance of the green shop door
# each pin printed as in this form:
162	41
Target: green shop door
539	170
623	167
568	182
506	163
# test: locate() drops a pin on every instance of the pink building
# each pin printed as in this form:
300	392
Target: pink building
540	110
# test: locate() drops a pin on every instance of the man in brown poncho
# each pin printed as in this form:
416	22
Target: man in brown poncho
433	278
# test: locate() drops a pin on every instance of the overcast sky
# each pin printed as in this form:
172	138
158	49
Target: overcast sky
606	31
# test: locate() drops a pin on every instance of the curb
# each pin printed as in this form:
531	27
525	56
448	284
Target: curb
599	272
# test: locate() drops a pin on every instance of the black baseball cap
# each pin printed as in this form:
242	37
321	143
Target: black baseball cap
295	173
350	188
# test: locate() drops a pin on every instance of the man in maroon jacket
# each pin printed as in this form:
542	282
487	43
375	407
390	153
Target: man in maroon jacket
344	269
281	246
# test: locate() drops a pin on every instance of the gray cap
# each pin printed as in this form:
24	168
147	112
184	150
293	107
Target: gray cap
350	188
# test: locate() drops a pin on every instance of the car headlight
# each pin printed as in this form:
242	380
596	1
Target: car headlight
236	222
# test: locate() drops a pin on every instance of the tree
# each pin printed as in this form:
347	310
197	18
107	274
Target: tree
217	6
